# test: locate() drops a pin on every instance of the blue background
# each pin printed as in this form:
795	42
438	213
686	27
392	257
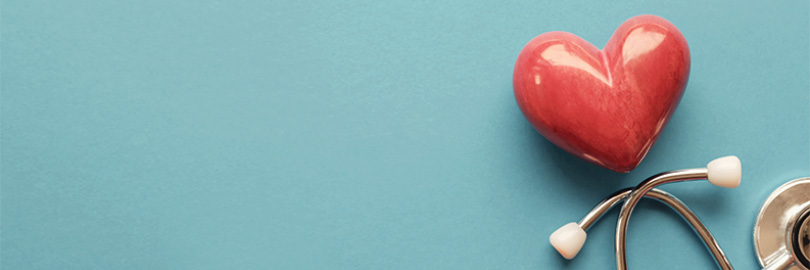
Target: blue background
363	134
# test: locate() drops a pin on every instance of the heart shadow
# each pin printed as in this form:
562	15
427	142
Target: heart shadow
586	180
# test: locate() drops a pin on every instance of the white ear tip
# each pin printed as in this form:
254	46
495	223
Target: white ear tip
725	172
568	240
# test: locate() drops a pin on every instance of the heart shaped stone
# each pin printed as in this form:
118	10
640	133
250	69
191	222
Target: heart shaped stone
605	106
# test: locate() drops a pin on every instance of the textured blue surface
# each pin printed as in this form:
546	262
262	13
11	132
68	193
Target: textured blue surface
362	134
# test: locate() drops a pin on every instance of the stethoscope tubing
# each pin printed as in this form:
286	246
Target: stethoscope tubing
643	188
668	199
722	172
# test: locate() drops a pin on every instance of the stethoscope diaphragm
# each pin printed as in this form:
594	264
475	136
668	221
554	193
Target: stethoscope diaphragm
782	229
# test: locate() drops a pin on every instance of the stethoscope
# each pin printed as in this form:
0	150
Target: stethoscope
781	232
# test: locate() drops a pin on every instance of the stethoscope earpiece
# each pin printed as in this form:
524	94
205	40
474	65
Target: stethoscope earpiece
568	240
725	172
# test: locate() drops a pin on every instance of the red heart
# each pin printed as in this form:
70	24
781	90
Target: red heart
605	106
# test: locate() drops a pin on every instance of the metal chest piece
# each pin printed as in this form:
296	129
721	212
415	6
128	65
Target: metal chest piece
782	229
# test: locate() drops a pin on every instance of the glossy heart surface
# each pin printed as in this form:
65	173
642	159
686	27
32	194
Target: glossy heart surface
605	106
